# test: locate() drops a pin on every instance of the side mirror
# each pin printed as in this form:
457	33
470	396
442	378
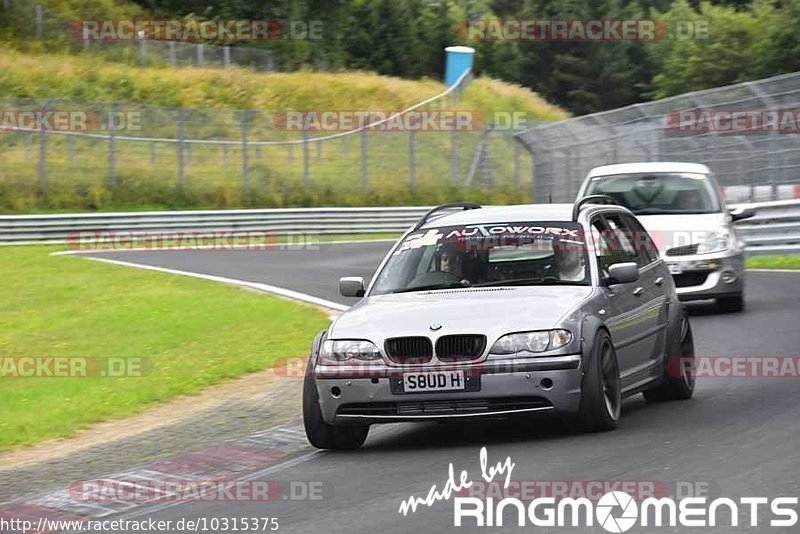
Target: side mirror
351	286
622	273
738	214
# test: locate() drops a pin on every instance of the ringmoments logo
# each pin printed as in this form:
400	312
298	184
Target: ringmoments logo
615	511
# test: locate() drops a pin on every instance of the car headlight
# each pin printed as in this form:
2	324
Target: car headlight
540	341
716	241
345	351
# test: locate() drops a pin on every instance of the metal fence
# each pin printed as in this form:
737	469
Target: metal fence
653	131
240	158
32	20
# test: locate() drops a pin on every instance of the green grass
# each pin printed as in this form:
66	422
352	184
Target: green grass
194	333
773	262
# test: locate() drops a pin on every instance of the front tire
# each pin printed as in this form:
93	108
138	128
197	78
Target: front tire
679	377
601	394
322	435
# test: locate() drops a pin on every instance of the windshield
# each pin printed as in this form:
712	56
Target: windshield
650	194
498	254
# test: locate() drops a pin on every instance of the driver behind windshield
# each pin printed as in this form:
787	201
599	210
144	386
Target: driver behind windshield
452	261
569	261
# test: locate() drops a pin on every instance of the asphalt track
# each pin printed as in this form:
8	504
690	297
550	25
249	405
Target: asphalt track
738	437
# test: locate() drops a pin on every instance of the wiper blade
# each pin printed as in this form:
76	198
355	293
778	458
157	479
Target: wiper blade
652	211
527	281
428	287
665	211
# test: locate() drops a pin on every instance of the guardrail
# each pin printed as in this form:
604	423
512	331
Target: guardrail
31	229
775	229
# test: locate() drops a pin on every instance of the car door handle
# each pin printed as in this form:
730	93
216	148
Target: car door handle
659	280
638	291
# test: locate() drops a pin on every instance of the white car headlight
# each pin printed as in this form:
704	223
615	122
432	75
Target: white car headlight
533	342
345	351
716	241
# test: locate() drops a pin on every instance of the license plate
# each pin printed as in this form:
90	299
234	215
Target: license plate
433	381
675	269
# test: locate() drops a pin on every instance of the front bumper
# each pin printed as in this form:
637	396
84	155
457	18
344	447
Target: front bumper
494	388
707	276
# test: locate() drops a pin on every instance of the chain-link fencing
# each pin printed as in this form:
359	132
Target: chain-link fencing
134	154
30	20
748	134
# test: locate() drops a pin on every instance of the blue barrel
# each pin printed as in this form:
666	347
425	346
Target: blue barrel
459	60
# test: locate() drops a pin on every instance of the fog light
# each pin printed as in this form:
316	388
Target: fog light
546	383
728	277
335	392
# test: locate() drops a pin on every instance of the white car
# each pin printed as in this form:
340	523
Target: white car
681	206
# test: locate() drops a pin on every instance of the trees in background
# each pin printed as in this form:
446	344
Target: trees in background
746	39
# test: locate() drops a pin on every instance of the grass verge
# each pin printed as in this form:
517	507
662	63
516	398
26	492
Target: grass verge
773	262
192	333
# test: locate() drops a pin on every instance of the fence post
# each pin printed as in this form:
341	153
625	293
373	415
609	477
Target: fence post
43	160
71	147
112	149
181	124
246	118
85	38
412	165
39	22
364	173
306	159
28	144
152	153
226	56
201	60
291	153
319	150
171	52
453	154
517	180
142	50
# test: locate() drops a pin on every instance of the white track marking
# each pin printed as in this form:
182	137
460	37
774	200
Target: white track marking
288	293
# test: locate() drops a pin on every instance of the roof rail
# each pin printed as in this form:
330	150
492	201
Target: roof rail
432	211
591	199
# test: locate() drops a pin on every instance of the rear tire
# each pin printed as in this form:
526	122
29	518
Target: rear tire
322	435
601	394
678	380
731	304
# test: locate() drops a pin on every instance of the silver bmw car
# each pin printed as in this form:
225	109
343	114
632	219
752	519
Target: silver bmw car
498	311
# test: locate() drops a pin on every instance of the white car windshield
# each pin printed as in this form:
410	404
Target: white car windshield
657	193
495	254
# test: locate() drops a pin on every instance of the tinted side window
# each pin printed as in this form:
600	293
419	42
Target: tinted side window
607	245
619	234
642	241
